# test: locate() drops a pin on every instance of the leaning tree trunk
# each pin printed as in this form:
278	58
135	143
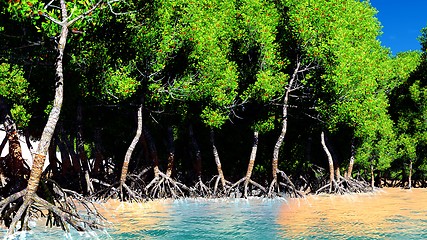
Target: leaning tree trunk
279	142
29	194
251	163
2	170
49	129
218	163
330	162
130	151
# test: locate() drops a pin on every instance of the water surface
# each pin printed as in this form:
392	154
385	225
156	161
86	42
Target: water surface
387	214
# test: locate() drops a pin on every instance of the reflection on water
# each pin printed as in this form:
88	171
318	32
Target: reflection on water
389	214
203	219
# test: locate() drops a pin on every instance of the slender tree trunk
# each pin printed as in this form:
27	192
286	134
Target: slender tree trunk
372	176
80	149
66	167
39	156
49	129
77	167
251	162
99	157
15	151
351	163
3	143
330	161
198	156
53	160
2	171
153	152
27	140
131	148
217	160
16	165
171	152
410	174
337	170
279	142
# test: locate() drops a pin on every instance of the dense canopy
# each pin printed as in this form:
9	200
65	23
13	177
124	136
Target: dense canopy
152	99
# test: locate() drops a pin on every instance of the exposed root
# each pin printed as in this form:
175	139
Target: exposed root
201	190
345	186
289	188
224	187
236	188
123	191
163	186
59	206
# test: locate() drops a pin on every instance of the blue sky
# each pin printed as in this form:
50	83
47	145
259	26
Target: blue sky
402	22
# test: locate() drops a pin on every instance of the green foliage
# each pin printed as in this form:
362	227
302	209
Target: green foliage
357	74
410	112
212	60
15	88
117	82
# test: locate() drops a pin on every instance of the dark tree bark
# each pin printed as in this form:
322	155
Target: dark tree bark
98	166
171	151
200	188
53	160
81	150
410	174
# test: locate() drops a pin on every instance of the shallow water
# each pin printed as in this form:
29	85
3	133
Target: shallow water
387	214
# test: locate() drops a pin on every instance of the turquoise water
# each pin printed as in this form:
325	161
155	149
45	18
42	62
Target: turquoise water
390	214
214	219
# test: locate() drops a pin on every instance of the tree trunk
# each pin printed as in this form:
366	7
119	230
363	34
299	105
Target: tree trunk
171	152
81	150
372	176
279	142
251	161
53	160
330	161
99	157
49	129
351	163
217	160
131	148
197	154
66	167
410	174
2	170
16	164
39	157
153	151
